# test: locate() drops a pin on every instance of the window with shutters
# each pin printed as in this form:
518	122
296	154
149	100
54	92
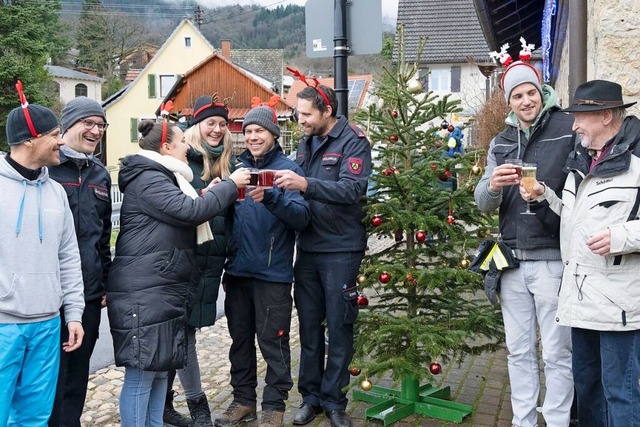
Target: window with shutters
440	79
134	121
152	85
166	83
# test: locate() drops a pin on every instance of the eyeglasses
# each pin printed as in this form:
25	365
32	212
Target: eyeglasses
212	125
90	124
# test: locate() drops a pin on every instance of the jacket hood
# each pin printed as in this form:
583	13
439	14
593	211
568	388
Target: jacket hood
8	171
133	165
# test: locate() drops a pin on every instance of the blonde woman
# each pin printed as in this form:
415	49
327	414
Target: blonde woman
210	158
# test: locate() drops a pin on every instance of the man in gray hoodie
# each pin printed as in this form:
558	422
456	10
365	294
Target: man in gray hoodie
41	268
536	132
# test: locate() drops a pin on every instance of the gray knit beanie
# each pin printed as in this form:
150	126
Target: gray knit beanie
78	109
518	73
18	131
263	116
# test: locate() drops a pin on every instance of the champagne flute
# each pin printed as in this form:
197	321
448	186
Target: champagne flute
528	181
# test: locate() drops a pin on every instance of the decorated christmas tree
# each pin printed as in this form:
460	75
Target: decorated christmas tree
420	306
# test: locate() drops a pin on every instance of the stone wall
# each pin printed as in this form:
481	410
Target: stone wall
613	48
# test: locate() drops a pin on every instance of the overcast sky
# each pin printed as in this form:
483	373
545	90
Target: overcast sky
389	7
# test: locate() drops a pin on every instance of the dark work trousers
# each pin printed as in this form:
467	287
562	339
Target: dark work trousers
325	291
74	369
257	308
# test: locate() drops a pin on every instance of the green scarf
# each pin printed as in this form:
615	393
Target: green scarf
212	152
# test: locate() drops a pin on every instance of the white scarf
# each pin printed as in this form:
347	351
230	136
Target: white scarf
184	175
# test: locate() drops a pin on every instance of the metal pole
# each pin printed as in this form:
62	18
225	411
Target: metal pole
340	54
577	45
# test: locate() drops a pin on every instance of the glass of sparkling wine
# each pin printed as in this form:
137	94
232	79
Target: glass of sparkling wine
528	180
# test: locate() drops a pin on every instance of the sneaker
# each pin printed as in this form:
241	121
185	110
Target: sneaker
271	418
236	414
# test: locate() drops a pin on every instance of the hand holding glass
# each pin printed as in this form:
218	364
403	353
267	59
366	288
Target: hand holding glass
528	181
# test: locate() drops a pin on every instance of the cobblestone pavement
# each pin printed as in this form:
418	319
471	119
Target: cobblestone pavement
481	381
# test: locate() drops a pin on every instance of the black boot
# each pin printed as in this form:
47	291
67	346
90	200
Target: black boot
172	417
200	411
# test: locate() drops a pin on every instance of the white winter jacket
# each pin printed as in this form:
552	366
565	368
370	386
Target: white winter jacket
601	292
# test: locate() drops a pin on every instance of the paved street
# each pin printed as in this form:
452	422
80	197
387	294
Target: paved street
481	381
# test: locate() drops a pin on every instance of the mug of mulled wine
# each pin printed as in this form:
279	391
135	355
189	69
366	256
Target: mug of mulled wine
266	178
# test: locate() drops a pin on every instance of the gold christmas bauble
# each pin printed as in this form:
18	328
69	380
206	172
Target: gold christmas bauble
414	86
464	262
366	385
476	170
362	279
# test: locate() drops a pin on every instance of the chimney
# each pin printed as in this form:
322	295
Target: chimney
225	46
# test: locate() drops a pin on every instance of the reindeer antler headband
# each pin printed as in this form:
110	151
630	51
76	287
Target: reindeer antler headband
165	110
25	110
215	102
316	86
506	59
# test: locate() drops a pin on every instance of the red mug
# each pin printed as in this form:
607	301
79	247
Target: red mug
266	178
241	193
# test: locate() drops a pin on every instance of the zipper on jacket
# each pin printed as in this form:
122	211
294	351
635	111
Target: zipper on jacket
273	238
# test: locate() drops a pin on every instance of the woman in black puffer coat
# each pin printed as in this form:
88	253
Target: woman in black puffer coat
151	275
210	158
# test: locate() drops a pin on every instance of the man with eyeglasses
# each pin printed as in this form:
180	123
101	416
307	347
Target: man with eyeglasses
87	184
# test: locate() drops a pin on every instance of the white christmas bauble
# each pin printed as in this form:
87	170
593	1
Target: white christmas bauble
414	86
381	103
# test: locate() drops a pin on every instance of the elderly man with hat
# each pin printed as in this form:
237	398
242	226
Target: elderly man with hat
259	274
88	187
600	239
537	132
40	272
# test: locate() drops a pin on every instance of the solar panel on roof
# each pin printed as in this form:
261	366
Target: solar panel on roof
356	87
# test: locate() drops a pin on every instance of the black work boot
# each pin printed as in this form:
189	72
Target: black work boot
172	417
200	412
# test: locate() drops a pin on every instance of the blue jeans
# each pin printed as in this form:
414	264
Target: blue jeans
606	371
29	361
142	398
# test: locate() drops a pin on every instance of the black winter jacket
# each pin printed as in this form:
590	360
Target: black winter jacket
149	284
549	145
210	255
337	175
88	188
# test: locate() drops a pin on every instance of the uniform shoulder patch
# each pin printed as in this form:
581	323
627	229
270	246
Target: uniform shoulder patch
358	131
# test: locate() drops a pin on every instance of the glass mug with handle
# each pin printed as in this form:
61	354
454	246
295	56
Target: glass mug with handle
528	181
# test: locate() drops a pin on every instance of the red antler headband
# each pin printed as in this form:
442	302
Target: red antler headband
271	103
25	110
163	139
303	79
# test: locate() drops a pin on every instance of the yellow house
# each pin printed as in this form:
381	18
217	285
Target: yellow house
184	49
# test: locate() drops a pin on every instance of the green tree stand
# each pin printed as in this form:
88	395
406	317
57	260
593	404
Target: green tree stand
393	405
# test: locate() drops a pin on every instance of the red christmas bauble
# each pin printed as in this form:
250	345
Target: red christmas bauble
450	219
410	278
421	236
434	166
393	138
363	301
435	368
384	277
394	113
376	221
354	371
450	128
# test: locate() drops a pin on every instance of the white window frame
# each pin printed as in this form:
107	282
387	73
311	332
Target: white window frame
166	83
440	79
